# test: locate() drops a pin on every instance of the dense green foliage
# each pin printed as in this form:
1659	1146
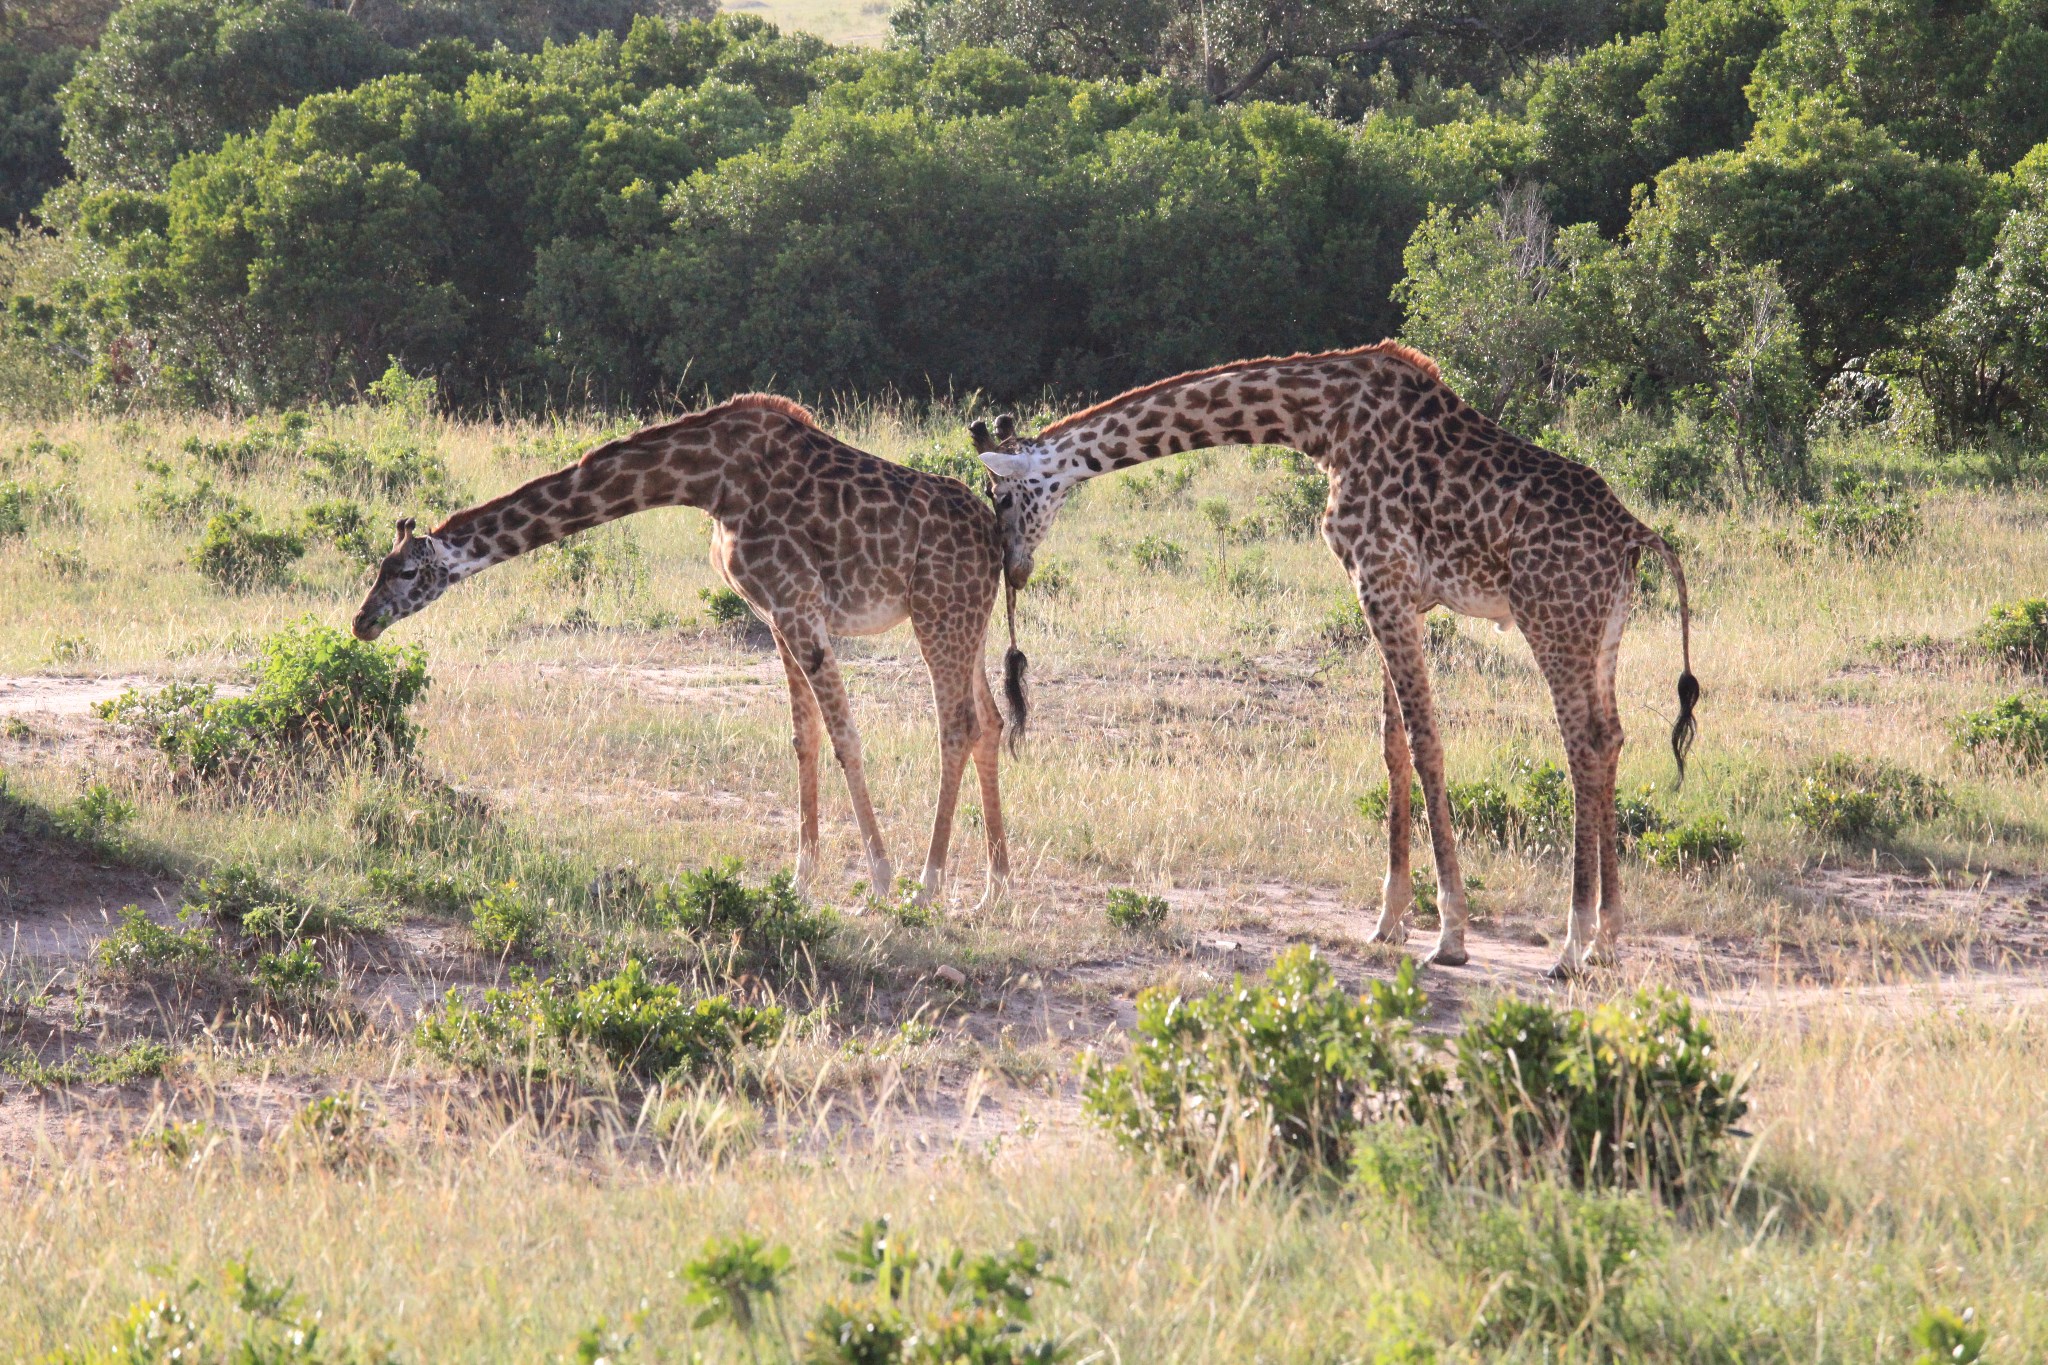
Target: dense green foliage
1744	215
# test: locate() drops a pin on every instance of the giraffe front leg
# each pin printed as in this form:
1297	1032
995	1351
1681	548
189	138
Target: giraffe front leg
812	650
807	737
1579	721
988	748
1399	632
1399	888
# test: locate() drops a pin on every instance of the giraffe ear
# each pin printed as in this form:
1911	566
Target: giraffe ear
1006	427
983	442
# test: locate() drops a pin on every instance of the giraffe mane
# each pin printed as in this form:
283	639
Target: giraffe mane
1397	350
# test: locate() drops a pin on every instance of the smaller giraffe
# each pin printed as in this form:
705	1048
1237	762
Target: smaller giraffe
1431	503
821	539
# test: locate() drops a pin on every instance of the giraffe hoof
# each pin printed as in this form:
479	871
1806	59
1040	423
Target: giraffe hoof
1394	932
1564	970
1446	955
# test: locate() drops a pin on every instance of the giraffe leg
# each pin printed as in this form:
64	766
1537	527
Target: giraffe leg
812	648
1580	720
958	733
808	726
988	748
1399	888
1613	918
1399	632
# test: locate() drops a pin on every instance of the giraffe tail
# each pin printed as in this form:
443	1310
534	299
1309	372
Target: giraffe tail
1014	664
1685	728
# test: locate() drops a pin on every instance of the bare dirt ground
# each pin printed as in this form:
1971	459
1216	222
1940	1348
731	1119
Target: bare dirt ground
1001	1060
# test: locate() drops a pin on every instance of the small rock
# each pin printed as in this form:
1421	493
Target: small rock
952	976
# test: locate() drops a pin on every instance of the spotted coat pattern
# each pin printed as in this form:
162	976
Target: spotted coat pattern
1431	503
821	539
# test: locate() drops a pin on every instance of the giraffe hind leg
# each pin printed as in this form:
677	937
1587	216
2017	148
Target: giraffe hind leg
1399	632
1399	888
988	748
812	648
808	733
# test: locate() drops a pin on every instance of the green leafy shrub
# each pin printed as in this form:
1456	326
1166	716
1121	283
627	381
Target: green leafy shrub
725	607
1257	1077
917	1308
141	949
504	918
386	469
1707	841
1949	1338
714	904
1297	503
1134	911
236	553
2017	632
636	1026
1157	554
166	504
1866	518
318	693
1848	798
345	524
338	1130
139	1059
256	1323
261	443
2015	729
241	898
294	976
97	817
13	511
1558	1264
1345	626
1632	1094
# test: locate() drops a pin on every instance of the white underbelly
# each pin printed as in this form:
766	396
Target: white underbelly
868	618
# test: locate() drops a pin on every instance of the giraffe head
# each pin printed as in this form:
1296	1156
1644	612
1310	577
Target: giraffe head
415	573
1028	482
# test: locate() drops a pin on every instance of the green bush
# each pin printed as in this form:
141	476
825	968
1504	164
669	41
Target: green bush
318	693
1948	1338
1866	518
1297	503
294	976
387	469
141	949
504	918
139	1059
237	554
725	607
1134	911
2015	729
239	897
715	905
635	1026
261	443
345	525
1255	1077
1157	554
1632	1094
2017	632
1558	1264
1707	841
1848	798
97	818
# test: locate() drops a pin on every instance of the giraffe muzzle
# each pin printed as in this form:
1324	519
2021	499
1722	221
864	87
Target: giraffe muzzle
369	627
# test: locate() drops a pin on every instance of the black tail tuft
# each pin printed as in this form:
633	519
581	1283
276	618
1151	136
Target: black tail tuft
1684	728
1013	693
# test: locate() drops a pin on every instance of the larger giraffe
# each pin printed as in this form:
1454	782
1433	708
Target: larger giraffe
821	539
1431	502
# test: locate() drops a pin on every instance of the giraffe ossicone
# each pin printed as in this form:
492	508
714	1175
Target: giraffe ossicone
782	494
1432	503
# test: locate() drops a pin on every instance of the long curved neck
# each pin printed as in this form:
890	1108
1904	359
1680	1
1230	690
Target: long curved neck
667	466
1277	405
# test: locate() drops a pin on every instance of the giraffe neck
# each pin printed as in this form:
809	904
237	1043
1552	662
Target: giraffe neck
657	467
1266	404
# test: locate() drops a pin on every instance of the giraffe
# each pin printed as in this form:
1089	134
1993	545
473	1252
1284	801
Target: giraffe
821	539
1431	503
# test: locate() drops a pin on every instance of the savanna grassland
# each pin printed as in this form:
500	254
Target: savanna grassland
1851	896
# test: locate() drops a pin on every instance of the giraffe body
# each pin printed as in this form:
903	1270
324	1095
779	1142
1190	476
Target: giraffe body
1431	503
821	539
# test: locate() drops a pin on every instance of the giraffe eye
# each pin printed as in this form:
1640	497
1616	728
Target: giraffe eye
408	573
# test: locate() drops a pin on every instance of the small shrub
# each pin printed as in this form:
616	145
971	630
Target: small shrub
97	817
1345	626
345	525
730	1277
713	903
1248	578
1558	1264
338	1130
1257	1077
437	893
139	1059
1051	577
2015	729
261	443
949	462
141	949
1866	518
504	919
1297	503
1161	484
237	554
1630	1095
1637	815
725	607
1948	1338
179	1144
2017	632
1848	798
1156	554
387	469
318	693
1134	911
165	504
636	1026
239	897
13	510
1701	843
292	977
